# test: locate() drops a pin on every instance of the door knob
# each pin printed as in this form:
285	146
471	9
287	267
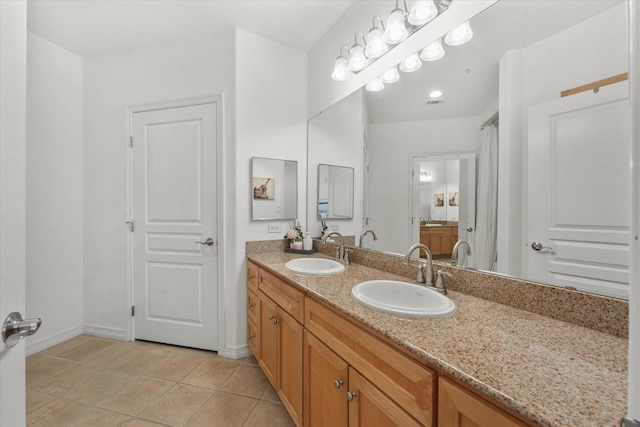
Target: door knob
208	242
15	328
537	246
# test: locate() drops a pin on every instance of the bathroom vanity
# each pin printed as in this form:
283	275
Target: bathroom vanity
335	362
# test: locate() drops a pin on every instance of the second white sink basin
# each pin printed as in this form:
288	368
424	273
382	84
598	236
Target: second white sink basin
314	266
403	299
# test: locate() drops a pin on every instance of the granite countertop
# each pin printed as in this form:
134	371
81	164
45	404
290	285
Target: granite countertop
550	371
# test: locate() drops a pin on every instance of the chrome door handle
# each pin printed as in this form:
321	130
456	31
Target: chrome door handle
469	229
208	242
15	328
537	246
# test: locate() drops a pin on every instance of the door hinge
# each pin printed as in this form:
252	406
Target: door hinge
131	141
133	311
130	222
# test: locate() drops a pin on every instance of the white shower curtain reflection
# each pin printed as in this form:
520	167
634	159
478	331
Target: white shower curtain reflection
487	205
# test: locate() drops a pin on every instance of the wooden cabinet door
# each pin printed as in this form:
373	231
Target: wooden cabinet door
268	337
326	381
460	408
253	339
370	407
289	364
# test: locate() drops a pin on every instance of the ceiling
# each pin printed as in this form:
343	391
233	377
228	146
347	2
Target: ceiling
90	27
468	74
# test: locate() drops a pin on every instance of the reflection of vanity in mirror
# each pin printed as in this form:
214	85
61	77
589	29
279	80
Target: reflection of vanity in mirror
502	87
274	189
335	192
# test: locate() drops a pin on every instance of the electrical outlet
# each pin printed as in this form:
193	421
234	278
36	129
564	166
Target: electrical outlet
275	228
335	226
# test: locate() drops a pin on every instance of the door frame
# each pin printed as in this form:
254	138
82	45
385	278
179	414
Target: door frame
220	181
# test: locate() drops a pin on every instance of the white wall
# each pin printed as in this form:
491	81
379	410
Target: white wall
391	148
591	50
271	115
114	81
54	192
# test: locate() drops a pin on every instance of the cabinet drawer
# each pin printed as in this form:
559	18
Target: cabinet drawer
407	382
253	341
458	407
253	306
252	276
283	294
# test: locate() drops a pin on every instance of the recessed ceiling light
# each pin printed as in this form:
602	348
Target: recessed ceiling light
435	94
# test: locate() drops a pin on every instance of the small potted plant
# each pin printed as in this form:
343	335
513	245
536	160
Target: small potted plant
294	236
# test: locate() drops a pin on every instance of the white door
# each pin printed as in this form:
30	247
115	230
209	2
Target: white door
13	33
578	192
174	238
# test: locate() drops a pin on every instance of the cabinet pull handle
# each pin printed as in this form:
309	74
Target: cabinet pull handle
337	384
251	305
252	336
275	320
251	277
351	395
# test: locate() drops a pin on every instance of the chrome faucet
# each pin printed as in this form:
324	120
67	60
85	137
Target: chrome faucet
364	233
456	249
425	271
342	255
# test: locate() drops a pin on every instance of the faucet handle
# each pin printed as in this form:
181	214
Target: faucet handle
345	256
421	273
440	287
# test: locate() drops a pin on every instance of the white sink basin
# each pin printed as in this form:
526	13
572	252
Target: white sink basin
403	299
314	266
431	225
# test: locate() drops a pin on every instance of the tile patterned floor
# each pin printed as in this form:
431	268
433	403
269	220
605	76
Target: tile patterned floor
97	382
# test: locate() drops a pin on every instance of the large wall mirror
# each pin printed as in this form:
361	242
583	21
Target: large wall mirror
274	189
501	91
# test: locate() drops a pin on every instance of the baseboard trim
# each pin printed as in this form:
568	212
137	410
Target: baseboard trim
105	332
43	344
235	352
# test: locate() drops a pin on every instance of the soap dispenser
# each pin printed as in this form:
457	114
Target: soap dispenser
307	242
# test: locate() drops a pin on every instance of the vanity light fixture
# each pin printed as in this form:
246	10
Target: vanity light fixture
341	70
433	51
357	60
391	75
422	12
375	85
396	30
425	176
459	35
410	64
400	24
375	45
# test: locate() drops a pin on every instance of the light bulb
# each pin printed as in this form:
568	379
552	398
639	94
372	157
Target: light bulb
357	60
340	70
396	31
410	64
459	35
376	47
435	94
375	85
433	51
391	75
422	12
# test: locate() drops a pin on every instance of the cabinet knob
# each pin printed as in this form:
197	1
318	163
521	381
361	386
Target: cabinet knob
337	384
351	395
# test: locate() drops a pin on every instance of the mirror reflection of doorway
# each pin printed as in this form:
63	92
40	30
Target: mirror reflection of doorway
443	201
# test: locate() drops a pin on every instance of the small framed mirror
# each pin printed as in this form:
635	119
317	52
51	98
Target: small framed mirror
335	192
274	189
